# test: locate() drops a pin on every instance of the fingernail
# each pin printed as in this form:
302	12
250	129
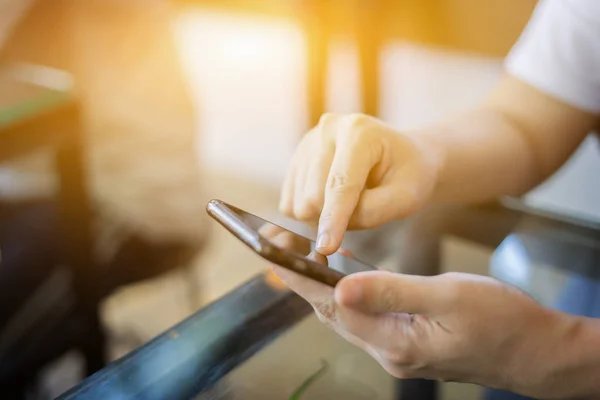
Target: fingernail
323	241
349	293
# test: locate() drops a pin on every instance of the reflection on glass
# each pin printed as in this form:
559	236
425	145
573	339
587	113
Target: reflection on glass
290	241
338	379
511	263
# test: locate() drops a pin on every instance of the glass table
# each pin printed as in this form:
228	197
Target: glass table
261	341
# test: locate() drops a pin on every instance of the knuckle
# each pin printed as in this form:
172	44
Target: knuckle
286	209
452	286
304	211
340	182
326	119
355	126
360	128
325	312
402	357
314	202
452	280
327	322
389	298
358	121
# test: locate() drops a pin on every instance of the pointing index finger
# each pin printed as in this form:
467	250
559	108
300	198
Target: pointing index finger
349	171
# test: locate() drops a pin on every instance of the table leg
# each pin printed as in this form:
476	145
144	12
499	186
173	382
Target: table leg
416	389
369	42
76	217
318	36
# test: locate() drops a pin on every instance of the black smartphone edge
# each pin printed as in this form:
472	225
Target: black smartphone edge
222	213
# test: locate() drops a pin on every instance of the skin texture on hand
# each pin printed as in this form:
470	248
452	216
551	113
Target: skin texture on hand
353	171
452	327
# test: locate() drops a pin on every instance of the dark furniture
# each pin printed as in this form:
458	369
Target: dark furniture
261	341
63	312
52	300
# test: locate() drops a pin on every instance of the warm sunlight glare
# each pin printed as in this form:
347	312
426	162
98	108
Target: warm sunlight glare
249	79
240	42
248	47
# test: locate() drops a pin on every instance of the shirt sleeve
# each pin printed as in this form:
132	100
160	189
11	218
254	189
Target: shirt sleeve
559	52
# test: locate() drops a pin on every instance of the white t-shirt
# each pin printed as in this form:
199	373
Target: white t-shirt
559	52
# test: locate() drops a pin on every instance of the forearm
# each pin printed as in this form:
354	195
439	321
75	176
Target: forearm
506	146
484	156
571	365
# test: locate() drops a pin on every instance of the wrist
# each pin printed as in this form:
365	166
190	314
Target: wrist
566	361
434	154
577	372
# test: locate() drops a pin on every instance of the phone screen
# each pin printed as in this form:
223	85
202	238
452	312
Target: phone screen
300	245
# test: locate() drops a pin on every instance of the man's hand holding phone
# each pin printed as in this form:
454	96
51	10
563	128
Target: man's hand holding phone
355	172
443	327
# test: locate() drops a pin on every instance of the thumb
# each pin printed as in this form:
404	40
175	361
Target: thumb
380	292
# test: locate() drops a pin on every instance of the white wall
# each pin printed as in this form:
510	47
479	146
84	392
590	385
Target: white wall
249	80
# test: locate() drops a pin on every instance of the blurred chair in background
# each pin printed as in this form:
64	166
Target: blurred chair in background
139	130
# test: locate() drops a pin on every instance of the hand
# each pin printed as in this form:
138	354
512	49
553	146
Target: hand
355	172
452	327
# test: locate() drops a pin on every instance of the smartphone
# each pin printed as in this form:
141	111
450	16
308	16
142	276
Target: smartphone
284	247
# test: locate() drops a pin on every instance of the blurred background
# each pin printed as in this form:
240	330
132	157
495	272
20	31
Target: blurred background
170	103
